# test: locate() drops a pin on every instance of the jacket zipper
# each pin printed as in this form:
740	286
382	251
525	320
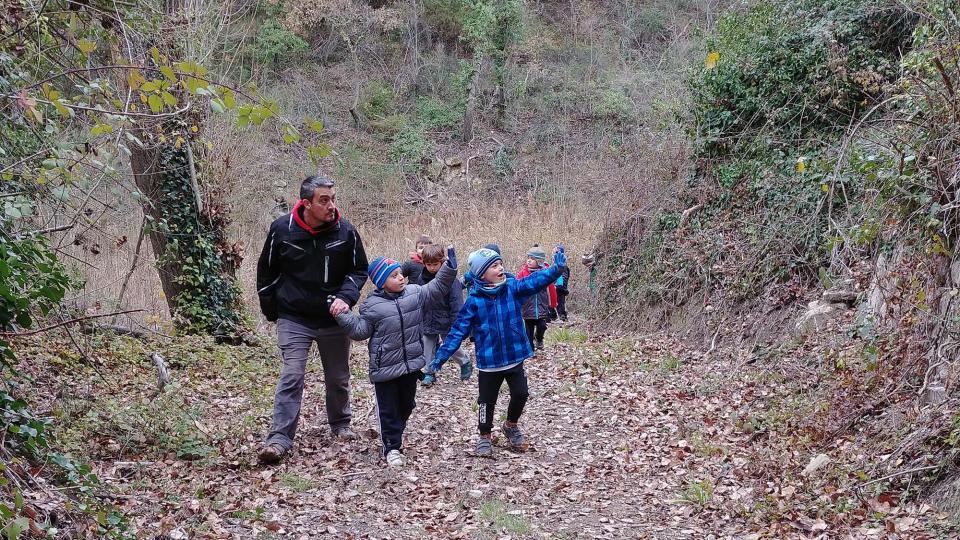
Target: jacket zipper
403	336
326	268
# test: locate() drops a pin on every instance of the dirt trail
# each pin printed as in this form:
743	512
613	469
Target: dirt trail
606	421
632	437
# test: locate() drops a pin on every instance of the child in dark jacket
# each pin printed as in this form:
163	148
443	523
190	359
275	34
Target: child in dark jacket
412	269
392	317
536	310
492	313
438	319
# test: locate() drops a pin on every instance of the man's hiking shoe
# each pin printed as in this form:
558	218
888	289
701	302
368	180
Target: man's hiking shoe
428	380
344	434
271	454
539	345
515	438
395	459
484	446
466	371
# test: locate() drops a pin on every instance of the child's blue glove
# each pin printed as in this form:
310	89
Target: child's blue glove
559	257
452	257
432	368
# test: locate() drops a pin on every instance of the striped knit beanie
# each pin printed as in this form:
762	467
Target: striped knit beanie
380	269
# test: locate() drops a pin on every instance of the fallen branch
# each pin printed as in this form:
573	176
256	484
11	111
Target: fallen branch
896	474
163	373
65	323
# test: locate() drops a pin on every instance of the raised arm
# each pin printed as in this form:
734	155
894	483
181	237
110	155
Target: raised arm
529	286
535	282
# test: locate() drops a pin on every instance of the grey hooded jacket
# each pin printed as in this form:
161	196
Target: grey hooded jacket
393	322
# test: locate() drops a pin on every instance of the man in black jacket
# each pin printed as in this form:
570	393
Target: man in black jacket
311	269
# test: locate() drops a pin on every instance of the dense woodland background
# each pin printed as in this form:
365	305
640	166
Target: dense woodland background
770	183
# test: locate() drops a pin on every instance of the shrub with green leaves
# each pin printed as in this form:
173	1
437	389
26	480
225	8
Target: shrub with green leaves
435	114
780	83
378	100
781	69
274	43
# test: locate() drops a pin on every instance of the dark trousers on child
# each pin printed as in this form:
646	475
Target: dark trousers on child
535	330
396	399
490	383
562	303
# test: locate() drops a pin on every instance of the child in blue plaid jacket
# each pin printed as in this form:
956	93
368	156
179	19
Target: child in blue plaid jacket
493	313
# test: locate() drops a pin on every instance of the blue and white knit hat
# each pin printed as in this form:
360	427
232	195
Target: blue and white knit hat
481	260
380	269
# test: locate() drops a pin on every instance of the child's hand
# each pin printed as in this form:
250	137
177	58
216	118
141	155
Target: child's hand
452	256
559	257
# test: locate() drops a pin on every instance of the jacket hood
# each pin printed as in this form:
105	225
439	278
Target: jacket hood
298	210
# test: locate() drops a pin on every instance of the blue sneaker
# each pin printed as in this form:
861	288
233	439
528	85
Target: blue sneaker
466	371
428	380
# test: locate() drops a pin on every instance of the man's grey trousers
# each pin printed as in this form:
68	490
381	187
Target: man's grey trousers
295	341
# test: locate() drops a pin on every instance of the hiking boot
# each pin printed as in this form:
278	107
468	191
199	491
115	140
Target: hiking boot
271	454
485	446
466	371
515	438
563	317
344	434
540	345
428	379
396	459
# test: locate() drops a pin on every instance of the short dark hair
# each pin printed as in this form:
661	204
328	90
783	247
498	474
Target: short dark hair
423	240
311	183
432	254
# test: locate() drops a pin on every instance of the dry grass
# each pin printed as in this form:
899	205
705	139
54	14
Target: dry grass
468	227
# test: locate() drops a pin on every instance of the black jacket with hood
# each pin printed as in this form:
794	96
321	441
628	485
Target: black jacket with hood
300	267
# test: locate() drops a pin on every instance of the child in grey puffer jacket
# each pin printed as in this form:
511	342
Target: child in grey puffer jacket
392	317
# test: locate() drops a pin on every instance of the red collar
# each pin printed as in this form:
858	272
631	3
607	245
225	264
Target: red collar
297	208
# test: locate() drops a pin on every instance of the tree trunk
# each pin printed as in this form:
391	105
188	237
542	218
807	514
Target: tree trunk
470	110
146	175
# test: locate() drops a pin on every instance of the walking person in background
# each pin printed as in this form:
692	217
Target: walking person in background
413	267
536	310
563	290
438	318
311	269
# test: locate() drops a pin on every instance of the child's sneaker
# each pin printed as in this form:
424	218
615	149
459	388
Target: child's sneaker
466	371
515	438
428	379
484	446
395	459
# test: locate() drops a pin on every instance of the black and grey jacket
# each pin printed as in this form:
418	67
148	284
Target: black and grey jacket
299	268
438	318
394	322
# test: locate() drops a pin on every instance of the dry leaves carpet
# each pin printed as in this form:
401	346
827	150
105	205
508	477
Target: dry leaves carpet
632	437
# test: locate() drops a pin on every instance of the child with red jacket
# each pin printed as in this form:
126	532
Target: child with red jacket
537	308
